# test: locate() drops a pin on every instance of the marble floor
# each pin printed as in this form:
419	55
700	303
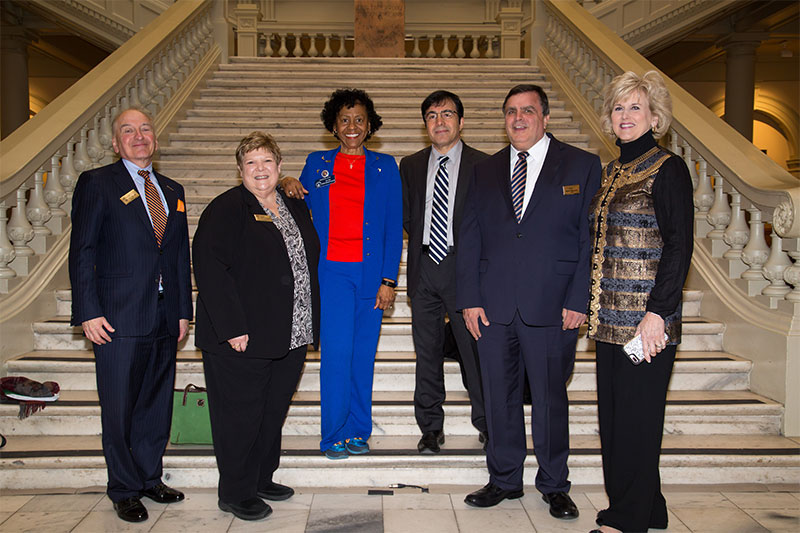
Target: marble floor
728	508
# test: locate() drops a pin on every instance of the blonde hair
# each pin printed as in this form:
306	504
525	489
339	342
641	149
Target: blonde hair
651	84
254	141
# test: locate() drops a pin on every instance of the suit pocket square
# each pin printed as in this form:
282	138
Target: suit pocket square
181	207
571	189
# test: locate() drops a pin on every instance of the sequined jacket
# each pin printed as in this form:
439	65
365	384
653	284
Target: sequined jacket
627	250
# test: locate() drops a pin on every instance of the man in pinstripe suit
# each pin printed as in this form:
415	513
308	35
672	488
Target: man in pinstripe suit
131	294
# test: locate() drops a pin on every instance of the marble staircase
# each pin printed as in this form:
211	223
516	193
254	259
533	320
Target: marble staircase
717	430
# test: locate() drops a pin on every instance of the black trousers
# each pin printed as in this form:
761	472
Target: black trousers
135	378
248	399
436	296
631	401
548	355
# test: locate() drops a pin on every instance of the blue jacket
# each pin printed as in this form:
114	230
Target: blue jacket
383	213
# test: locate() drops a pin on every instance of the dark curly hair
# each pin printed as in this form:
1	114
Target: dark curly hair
349	98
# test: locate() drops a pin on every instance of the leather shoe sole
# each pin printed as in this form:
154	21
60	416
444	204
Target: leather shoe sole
131	510
431	442
247	510
491	495
275	492
561	505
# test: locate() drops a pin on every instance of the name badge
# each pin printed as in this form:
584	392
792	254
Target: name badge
262	218
571	189
129	196
326	179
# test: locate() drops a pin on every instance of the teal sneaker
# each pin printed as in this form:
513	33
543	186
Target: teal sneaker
337	451
357	446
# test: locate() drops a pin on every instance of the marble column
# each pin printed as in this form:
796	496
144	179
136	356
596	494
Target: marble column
740	80
14	93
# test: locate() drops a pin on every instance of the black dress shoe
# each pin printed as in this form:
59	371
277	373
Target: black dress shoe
251	509
430	442
491	495
162	494
561	505
131	510
275	492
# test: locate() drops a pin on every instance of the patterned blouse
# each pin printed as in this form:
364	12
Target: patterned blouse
302	326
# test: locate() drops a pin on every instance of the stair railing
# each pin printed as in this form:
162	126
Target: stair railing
738	190
157	69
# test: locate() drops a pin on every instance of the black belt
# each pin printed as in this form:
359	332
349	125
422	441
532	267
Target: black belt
160	295
426	249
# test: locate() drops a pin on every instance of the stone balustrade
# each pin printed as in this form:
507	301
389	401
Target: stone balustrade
731	211
44	157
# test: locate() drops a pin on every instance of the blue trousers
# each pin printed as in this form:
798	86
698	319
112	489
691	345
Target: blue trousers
349	332
135	378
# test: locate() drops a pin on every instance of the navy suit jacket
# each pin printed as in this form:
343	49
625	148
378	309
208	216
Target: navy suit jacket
114	258
541	265
414	175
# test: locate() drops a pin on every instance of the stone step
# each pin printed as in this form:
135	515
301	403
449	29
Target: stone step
261	87
290	103
255	115
402	304
57	334
394	370
77	412
422	83
33	462
353	65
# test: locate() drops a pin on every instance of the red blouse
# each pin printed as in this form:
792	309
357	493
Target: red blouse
346	200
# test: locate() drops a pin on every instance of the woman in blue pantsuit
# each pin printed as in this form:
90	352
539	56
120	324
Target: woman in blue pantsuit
356	203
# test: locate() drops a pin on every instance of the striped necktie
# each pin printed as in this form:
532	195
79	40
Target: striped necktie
437	247
518	184
155	206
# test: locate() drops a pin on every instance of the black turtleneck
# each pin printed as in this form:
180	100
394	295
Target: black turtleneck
672	200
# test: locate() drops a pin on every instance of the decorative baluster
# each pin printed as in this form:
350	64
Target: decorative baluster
431	50
68	175
704	194
737	232
446	47
7	252
489	47
342	46
93	146
38	211
20	230
54	193
416	52
327	52
756	252
312	46
283	51
298	46
460	53
777	262
720	213
673	142
792	276
687	157
105	135
82	160
161	78
144	95
475	52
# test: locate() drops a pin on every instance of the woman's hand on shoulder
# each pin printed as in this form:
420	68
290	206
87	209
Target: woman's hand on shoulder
651	328
293	188
239	343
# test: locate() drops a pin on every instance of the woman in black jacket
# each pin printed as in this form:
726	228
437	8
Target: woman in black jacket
255	256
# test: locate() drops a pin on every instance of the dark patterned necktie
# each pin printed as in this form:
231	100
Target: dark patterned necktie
154	205
518	184
437	247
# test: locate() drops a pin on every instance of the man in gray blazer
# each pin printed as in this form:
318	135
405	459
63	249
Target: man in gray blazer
435	182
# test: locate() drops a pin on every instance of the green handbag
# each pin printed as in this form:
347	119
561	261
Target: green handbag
191	423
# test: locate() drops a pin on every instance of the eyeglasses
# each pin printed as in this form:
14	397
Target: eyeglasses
447	114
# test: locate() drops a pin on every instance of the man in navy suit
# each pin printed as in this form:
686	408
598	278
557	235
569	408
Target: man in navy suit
131	294
523	286
435	182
